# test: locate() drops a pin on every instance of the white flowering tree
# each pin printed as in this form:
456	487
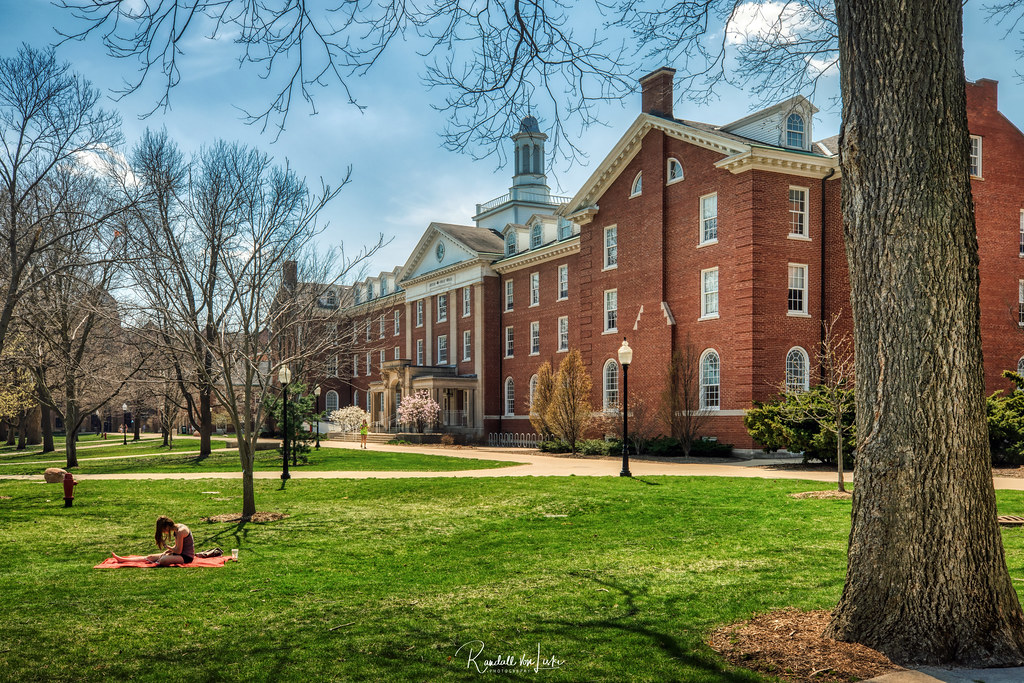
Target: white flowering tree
348	419
419	410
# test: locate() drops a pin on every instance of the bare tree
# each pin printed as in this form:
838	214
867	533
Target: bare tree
682	411
571	412
540	402
49	120
230	277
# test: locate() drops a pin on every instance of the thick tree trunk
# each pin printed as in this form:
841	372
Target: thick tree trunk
71	427
927	580
47	428
33	428
246	449
22	430
11	433
137	425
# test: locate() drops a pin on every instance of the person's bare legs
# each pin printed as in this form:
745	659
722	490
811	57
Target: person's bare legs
165	560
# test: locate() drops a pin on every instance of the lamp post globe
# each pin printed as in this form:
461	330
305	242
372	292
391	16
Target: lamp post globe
316	397
284	375
625	358
124	422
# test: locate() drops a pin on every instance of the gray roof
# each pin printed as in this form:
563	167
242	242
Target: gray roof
831	144
477	239
717	130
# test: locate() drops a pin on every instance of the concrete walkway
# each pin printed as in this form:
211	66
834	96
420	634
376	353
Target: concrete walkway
933	674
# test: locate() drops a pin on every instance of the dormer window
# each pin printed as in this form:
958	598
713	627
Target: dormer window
638	185
510	243
795	131
564	229
536	236
675	171
383	287
359	295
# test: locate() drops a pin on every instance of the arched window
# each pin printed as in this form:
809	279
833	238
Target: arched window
355	397
795	131
675	171
710	381
611	386
510	397
536	236
533	389
537	166
331	402
638	185
510	243
796	370
1020	367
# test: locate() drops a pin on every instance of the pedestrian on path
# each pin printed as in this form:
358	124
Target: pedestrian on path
364	430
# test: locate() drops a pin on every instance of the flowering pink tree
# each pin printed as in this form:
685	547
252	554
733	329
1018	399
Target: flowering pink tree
419	410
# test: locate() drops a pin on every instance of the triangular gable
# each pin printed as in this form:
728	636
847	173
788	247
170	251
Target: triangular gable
628	147
423	258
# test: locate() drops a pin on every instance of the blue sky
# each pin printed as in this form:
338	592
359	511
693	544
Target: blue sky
402	179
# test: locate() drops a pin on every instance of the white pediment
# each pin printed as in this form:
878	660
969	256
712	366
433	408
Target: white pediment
435	251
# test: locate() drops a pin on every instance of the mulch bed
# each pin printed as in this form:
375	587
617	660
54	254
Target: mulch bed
258	518
841	495
788	643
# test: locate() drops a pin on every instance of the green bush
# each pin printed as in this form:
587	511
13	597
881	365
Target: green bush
710	448
600	447
1006	423
664	446
399	442
553	446
789	423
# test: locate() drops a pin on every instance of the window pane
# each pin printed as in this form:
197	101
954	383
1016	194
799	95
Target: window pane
709	382
797	212
709	218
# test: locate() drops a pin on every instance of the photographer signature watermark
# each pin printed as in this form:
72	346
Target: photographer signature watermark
473	651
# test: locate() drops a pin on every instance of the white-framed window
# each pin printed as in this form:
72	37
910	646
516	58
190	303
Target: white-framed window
1020	367
442	308
369	325
442	349
355	332
798	211
797	370
380	327
1020	303
509	341
510	396
510	243
369	367
563	273
359	295
355	364
419	313
398	323
330	401
638	185
419	352
384	287
467	346
332	367
611	247
674	172
467	307
534	338
533	389
710	381
534	289
610	383
1021	252
383	357
795	131
709	218
564	228
398	353
508	294
355	397
611	310
536	236
975	168
797	296
709	293
563	333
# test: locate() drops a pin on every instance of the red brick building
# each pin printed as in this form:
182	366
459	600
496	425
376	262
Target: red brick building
725	237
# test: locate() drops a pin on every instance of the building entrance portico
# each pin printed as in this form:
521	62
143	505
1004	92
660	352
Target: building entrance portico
455	394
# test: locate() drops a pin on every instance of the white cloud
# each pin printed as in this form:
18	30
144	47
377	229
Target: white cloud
762	19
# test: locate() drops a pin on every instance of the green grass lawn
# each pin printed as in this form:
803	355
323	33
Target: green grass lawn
383	580
97	449
226	460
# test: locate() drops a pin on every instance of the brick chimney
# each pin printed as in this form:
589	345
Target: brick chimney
656	88
291	274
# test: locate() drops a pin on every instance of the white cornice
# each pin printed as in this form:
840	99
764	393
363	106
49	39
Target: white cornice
540	255
447	270
780	161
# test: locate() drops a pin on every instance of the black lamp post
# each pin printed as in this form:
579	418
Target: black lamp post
124	422
316	398
285	377
625	358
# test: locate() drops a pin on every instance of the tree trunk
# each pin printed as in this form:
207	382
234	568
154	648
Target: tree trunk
246	448
205	423
22	430
926	579
11	431
71	427
44	423
135	422
33	429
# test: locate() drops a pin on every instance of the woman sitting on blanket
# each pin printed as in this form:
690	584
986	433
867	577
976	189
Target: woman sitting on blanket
182	551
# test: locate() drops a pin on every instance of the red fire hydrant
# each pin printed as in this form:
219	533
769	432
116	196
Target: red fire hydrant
69	489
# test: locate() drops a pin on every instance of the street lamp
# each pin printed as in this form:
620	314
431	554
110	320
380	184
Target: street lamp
625	358
316	398
284	375
124	422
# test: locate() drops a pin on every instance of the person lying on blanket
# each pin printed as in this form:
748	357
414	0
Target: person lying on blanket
174	539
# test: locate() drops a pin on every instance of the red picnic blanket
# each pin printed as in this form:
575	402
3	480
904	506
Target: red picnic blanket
140	561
